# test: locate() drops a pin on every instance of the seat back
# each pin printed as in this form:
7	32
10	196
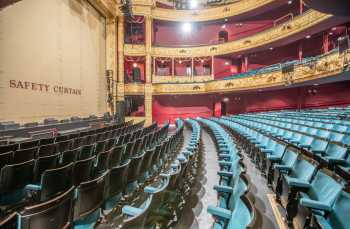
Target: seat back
20	156
324	188
16	176
70	156
90	196
10	222
82	170
56	181
86	151
340	213
56	213
29	144
289	158
303	169
8	148
336	151
101	163
47	150
147	160
100	147
64	146
135	168
117	179
115	155
128	151
46	141
44	163
6	159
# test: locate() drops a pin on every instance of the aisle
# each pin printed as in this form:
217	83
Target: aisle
209	179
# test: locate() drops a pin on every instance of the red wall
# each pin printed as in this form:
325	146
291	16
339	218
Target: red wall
166	107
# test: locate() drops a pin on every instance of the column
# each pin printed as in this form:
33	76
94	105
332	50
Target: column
300	51
148	23
172	67
111	60
192	68
154	66
325	44
212	68
148	85
120	84
301	7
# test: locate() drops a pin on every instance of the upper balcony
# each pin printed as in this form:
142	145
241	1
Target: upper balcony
328	66
233	9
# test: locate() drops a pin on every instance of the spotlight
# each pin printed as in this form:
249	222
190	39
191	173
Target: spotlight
193	4
225	99
331	33
334	28
134	65
186	27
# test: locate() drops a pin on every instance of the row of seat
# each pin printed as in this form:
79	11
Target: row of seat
84	160
89	198
297	180
328	153
110	131
234	209
328	131
159	199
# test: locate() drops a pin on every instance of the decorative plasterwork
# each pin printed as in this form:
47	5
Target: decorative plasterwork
134	50
181	79
198	15
134	89
284	30
327	66
107	7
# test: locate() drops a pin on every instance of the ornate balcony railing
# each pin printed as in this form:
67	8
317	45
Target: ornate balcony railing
298	24
329	65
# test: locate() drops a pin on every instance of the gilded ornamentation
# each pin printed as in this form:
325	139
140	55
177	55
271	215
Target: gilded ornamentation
298	24
213	13
328	66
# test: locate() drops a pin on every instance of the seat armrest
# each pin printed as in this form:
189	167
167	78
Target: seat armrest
282	168
336	160
219	212
315	204
131	211
150	189
225	174
223	188
32	187
223	163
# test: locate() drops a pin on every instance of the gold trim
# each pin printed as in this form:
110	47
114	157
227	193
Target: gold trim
134	89
287	29
181	79
327	66
134	50
208	14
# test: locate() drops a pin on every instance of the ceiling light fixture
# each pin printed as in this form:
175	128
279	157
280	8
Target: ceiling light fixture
193	4
186	27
